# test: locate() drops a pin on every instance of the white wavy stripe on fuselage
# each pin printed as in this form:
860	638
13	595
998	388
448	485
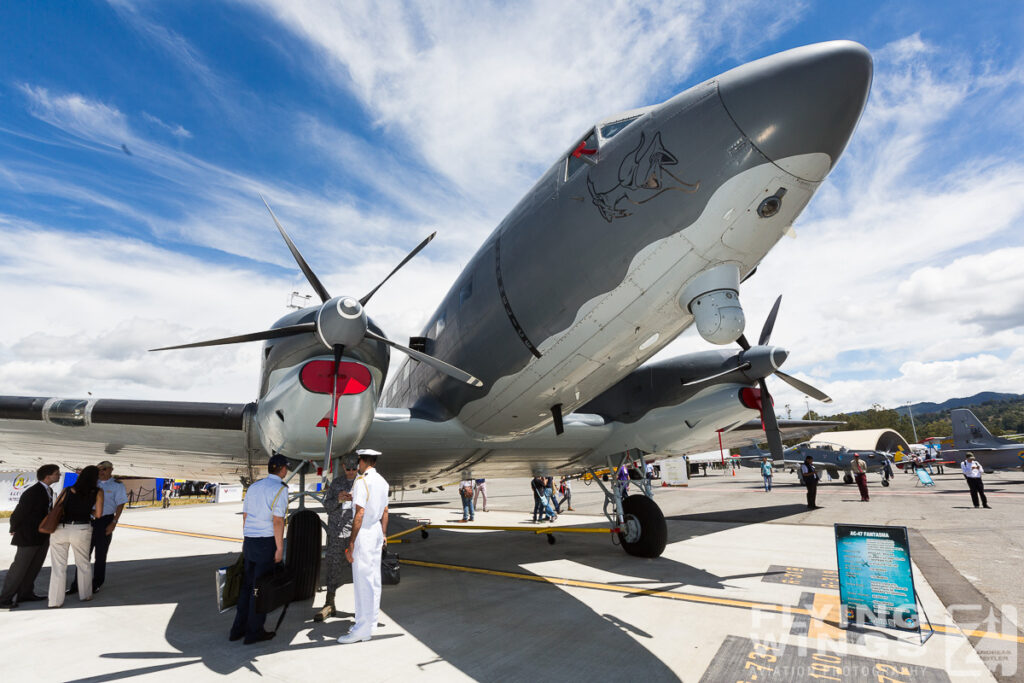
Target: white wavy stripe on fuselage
602	344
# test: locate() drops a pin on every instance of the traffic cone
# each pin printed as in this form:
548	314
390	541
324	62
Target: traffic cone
734	471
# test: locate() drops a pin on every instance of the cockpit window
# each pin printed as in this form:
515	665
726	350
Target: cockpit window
582	154
611	129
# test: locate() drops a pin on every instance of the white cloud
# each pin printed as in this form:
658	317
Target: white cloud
488	94
177	130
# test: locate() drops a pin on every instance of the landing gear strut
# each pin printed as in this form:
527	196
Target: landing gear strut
641	525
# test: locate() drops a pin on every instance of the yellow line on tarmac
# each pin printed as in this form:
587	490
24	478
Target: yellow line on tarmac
179	533
576	583
532	530
684	597
630	590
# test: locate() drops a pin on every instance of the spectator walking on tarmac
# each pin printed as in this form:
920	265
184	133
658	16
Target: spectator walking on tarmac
860	475
480	490
33	505
263	513
537	486
338	504
766	474
466	493
973	470
810	478
549	494
623	477
565	488
369	533
887	472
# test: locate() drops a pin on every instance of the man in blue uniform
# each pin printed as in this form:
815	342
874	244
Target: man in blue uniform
263	513
114	499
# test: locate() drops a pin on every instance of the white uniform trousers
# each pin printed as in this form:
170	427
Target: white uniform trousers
79	537
366	578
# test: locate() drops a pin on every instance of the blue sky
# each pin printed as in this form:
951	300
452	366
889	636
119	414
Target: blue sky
135	138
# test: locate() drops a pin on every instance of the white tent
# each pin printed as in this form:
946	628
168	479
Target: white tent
888	440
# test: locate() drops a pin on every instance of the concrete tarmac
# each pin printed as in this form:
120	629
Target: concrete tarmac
746	590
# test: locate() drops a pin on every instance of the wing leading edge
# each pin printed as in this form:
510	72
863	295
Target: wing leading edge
202	441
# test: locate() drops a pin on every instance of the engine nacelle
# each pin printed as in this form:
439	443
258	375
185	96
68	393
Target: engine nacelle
304	390
714	301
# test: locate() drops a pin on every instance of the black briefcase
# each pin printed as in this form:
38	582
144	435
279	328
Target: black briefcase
274	589
390	568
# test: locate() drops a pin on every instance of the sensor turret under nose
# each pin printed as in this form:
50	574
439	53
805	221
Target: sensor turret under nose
713	300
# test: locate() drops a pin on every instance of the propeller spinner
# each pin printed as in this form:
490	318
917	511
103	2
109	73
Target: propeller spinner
340	321
756	363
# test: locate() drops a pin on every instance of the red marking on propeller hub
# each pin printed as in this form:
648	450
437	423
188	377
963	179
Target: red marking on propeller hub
353	378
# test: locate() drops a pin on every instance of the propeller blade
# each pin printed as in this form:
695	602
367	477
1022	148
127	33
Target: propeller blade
404	261
770	422
769	324
252	336
435	363
742	341
306	270
803	386
741	366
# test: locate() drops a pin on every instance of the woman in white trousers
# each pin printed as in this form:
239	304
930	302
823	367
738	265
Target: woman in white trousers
82	502
79	537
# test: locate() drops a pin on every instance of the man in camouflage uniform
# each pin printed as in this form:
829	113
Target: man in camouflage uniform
338	503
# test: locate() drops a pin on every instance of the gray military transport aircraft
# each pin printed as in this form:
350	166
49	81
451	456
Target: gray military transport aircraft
533	362
971	436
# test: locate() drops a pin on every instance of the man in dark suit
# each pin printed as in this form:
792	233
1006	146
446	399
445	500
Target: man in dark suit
32	508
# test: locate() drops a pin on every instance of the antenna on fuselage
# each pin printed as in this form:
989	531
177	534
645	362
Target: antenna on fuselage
298	301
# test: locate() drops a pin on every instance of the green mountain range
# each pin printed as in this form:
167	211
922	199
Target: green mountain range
1001	413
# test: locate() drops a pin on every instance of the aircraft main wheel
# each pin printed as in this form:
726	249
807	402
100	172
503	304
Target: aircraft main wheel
644	532
303	552
885	482
847	478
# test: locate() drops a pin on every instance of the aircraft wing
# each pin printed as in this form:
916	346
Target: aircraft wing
214	441
753	431
201	441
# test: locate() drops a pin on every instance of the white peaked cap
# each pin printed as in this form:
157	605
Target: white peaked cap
368	451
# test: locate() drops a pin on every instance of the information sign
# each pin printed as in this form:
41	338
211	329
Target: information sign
876	585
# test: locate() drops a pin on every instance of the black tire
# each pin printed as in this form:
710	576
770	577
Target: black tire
885	482
643	512
847	478
303	552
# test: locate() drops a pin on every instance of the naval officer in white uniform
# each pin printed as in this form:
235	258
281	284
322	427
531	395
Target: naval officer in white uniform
369	526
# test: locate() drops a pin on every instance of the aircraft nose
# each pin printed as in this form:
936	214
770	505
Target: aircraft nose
802	101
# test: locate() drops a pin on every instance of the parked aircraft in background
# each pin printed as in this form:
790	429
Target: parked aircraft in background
993	452
533	362
825	456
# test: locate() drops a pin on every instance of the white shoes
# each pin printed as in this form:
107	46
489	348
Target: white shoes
352	638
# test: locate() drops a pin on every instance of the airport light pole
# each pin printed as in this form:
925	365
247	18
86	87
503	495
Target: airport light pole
912	425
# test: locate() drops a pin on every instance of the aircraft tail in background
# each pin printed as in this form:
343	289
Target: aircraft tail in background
969	432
